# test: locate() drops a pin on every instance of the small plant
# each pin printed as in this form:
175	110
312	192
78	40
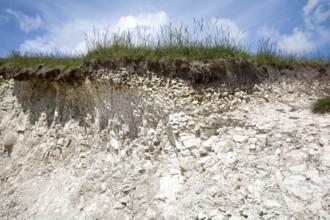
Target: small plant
322	105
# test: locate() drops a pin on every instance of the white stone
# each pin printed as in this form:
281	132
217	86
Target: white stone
252	140
298	168
278	151
118	205
218	217
169	186
313	175
324	141
252	146
231	159
205	160
213	213
293	203
261	136
60	141
211	142
191	142
237	95
115	143
201	216
141	191
223	146
240	138
294	179
269	203
151	214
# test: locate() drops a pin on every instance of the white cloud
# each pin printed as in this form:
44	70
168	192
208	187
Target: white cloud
296	42
317	19
313	34
310	6
41	43
144	27
153	20
70	37
26	23
322	14
317	14
230	28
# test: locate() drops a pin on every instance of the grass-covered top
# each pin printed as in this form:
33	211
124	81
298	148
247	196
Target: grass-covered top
202	42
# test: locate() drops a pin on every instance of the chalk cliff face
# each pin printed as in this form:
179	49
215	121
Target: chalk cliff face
139	140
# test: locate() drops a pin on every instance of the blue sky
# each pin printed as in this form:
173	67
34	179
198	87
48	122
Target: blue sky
299	26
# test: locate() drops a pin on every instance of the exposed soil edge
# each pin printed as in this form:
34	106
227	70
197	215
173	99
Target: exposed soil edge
230	72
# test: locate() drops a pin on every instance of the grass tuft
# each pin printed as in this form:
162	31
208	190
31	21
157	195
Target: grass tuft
201	42
322	105
268	53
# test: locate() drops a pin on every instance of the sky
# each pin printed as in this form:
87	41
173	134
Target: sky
297	26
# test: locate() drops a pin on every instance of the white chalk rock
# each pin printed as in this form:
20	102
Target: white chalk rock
240	138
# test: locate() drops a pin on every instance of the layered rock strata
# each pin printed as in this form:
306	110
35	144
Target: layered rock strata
127	142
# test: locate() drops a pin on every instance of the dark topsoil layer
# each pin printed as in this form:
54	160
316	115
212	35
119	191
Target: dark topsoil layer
230	72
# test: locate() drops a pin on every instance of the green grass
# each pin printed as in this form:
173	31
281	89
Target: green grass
170	43
322	105
201	42
168	53
30	59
